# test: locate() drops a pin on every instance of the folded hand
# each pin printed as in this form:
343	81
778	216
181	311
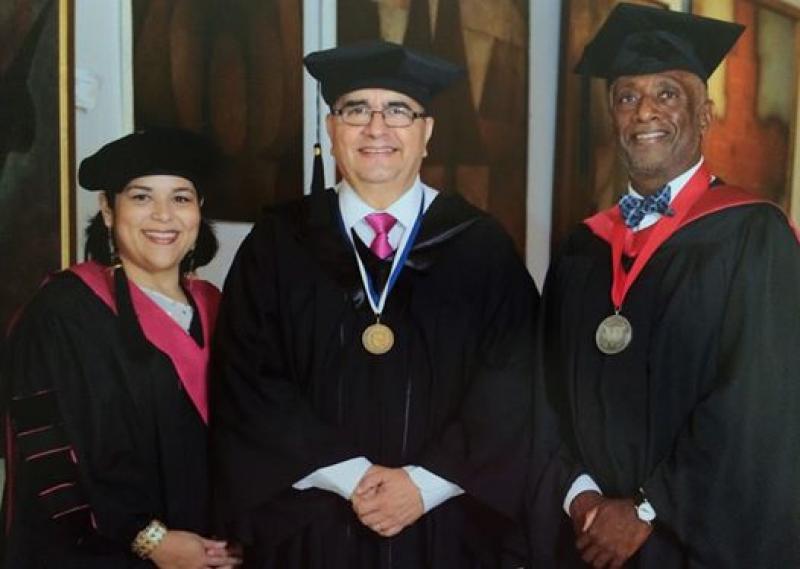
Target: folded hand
386	500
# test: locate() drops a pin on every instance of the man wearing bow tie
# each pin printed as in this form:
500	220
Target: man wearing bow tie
672	323
372	405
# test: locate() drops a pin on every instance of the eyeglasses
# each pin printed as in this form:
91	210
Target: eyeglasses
394	116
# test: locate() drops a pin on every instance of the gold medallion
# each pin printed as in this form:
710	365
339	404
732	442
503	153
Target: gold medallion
613	334
378	339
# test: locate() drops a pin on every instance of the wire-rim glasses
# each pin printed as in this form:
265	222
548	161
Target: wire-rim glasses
394	116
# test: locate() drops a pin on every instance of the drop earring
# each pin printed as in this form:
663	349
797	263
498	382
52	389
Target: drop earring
113	255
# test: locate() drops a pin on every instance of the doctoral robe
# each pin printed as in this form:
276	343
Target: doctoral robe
103	435
702	409
295	389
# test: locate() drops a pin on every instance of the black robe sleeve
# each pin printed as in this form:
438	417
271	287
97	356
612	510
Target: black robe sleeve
554	465
485	450
70	477
261	422
564	467
729	490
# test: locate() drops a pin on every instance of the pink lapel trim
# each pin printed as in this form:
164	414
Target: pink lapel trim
190	360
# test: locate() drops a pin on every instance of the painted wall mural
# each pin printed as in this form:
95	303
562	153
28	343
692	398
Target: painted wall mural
230	69
750	143
34	136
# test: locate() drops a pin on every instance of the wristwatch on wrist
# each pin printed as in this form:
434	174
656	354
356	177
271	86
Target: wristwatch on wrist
644	509
148	539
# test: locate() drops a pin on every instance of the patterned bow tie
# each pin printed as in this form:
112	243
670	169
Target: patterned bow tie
633	208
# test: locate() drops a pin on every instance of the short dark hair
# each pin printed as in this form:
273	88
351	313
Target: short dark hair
98	246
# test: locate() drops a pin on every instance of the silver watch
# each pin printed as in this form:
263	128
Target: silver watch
644	509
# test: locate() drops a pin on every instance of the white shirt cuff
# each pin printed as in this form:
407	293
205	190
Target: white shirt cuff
340	478
583	483
434	489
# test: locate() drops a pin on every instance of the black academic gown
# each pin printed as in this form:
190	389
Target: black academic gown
104	437
702	410
297	391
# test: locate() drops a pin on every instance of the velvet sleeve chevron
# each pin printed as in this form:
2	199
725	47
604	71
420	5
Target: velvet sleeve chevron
40	446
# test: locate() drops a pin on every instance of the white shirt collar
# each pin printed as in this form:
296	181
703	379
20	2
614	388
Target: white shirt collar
676	184
675	187
404	209
180	312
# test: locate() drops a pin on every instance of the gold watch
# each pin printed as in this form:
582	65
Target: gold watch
148	539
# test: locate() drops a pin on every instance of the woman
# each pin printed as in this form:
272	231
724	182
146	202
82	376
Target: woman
105	376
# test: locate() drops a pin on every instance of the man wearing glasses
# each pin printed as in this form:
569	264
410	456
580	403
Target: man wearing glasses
372	401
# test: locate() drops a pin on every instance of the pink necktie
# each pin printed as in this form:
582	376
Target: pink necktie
381	224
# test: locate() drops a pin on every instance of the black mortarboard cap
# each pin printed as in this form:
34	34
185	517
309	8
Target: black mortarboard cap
150	152
639	40
380	64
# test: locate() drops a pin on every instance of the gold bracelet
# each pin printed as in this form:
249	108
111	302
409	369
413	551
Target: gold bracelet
148	539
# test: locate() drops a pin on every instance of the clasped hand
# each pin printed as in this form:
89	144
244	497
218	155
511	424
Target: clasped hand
386	500
187	550
608	530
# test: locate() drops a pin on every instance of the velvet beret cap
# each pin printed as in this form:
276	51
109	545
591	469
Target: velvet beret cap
380	64
150	152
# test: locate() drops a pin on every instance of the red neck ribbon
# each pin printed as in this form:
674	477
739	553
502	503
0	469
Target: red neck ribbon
693	202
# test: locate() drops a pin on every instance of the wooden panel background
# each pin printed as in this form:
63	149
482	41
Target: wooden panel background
36	133
230	69
751	143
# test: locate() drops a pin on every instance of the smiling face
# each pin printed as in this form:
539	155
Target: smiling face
155	221
659	120
379	162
